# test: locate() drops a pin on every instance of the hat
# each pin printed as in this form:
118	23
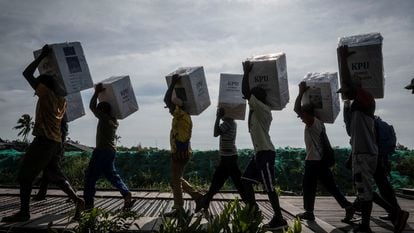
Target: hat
411	85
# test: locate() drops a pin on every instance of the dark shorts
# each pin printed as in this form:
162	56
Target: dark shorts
261	170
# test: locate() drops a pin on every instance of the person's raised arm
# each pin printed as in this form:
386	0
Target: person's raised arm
343	53
298	102
168	94
247	67
219	115
31	68
94	100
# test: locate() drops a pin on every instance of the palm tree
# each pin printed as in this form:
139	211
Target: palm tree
25	125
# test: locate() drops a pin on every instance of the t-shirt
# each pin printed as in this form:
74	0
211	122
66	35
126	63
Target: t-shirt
363	140
362	125
260	118
106	131
228	130
181	128
313	140
50	110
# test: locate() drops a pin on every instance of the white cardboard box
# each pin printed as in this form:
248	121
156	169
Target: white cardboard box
67	62
74	109
192	89
120	95
269	72
231	97
366	63
322	95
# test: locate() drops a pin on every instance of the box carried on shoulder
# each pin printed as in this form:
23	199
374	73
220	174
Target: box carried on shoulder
120	95
191	89
270	72
322	95
366	64
231	97
68	64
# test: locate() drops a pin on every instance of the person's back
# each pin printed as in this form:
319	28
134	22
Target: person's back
260	119
50	110
106	132
181	130
362	125
228	137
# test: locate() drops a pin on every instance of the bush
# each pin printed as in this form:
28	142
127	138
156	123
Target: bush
150	169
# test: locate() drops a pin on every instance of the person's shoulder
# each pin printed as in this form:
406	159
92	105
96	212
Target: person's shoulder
42	90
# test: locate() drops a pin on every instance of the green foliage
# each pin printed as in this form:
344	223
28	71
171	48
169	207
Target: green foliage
185	223
234	218
149	168
295	228
101	221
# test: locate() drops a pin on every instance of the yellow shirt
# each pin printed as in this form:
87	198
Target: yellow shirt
50	110
259	125
181	128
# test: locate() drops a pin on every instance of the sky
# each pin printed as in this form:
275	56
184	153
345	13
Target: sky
149	39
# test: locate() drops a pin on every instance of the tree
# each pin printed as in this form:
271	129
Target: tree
25	124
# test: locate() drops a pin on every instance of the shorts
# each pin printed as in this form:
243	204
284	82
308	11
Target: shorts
261	170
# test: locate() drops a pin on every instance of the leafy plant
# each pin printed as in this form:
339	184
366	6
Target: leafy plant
185	223
101	221
295	228
234	218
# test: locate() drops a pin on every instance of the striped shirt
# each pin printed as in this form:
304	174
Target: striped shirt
228	130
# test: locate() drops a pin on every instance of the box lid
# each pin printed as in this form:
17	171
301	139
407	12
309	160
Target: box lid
266	57
361	40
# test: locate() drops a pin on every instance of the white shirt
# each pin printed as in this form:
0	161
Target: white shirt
313	140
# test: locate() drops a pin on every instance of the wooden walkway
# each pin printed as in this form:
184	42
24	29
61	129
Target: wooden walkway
55	211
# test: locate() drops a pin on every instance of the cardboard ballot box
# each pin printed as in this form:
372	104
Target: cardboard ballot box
231	97
191	89
120	95
322	95
74	107
366	63
269	72
67	62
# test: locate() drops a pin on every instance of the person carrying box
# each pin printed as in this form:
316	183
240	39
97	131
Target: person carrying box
103	156
361	129
180	136
261	167
314	168
43	152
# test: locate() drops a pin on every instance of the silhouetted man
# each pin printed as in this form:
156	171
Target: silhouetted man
44	152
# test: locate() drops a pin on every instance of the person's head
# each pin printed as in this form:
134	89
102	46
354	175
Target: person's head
259	93
308	114
411	86
350	92
104	107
